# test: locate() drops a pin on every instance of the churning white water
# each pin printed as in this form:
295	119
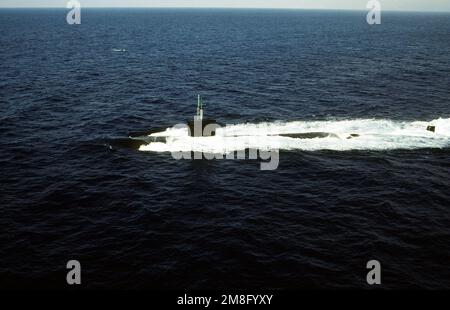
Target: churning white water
340	135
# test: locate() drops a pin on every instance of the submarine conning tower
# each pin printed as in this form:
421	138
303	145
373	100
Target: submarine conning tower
198	125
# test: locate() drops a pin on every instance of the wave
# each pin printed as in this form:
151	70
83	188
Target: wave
337	135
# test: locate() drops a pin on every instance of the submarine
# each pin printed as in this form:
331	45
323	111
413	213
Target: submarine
207	127
200	126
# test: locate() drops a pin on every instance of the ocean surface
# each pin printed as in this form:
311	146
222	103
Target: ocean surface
75	186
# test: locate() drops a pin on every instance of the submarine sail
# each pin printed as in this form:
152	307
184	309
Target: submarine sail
198	125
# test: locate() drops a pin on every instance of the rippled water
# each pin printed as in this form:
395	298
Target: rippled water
74	186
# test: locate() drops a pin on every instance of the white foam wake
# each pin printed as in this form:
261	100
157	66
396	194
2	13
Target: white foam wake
368	134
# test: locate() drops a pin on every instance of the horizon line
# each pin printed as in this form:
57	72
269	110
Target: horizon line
224	7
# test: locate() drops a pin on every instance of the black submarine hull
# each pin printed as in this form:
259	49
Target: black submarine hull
197	127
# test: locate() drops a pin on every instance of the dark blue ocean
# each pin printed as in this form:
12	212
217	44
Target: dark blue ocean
73	186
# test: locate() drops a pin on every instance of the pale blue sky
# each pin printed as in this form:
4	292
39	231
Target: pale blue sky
406	5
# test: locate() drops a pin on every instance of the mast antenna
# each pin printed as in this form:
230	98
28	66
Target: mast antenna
199	107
